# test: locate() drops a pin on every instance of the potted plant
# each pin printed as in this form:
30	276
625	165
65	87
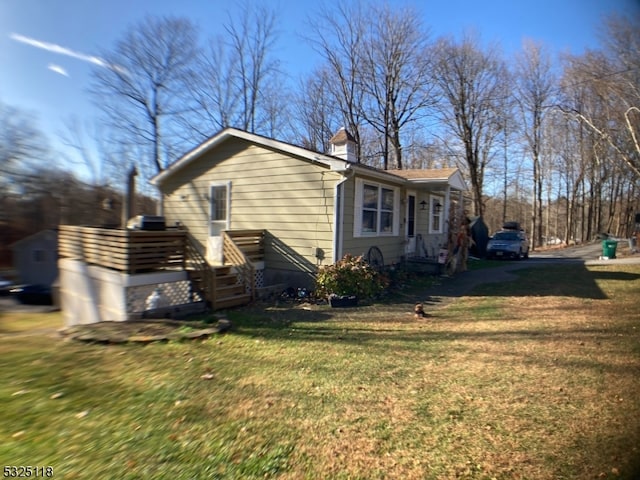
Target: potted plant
347	281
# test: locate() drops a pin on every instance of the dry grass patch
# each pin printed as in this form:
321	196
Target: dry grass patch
512	382
555	377
26	322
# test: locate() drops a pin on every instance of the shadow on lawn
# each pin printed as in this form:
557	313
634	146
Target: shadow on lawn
313	323
573	280
565	280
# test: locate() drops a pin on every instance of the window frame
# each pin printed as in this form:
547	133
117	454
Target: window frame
433	200
225	223
380	211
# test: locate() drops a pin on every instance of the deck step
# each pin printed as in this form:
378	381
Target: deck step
232	301
229	290
229	293
223	270
230	279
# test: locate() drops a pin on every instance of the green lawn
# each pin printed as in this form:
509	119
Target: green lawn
536	379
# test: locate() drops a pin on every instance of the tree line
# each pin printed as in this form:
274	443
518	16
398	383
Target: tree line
551	142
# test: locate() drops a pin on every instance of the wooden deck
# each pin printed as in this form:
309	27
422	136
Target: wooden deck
128	251
141	251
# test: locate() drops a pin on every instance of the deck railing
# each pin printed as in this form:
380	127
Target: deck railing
139	251
129	251
200	271
250	242
234	255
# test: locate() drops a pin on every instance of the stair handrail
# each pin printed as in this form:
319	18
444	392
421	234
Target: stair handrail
244	266
199	263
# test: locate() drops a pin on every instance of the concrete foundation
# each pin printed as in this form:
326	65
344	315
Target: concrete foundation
91	294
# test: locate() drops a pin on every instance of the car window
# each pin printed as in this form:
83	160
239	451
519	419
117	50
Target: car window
506	236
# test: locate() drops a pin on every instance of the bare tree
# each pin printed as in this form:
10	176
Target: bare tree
472	82
613	76
89	149
239	81
378	64
22	149
337	34
535	86
22	144
396	75
142	83
274	115
318	120
214	91
622	46
251	40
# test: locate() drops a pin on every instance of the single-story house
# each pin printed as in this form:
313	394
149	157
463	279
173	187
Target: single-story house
35	258
314	208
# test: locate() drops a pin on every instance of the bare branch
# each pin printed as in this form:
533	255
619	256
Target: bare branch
144	99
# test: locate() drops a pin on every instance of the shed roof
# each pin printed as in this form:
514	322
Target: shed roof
47	234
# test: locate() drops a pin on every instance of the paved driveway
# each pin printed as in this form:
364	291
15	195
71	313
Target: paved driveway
589	254
10	304
462	283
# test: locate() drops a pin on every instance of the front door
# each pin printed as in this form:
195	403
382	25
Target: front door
219	220
410	229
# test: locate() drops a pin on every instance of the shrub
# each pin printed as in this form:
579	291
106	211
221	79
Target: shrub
349	276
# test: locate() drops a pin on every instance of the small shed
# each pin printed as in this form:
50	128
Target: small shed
35	258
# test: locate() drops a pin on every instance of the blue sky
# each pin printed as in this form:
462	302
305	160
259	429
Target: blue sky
46	46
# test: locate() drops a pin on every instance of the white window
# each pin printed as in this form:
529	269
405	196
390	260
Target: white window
376	209
218	203
219	200
435	214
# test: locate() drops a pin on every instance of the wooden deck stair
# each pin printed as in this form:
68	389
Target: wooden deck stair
229	291
222	286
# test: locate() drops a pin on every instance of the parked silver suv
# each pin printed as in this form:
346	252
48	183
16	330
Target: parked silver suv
508	243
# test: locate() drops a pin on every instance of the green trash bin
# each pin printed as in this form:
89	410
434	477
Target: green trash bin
609	248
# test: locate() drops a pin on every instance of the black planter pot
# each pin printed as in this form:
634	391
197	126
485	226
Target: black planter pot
343	301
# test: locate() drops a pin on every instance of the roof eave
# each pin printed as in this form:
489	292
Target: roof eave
456	184
379	174
334	164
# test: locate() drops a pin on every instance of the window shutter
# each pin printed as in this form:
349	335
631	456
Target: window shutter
396	211
357	209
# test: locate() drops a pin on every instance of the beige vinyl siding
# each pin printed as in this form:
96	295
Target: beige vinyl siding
291	198
391	246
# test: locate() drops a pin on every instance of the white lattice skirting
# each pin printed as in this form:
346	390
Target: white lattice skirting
259	277
90	294
170	294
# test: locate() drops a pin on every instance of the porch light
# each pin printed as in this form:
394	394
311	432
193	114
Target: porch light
423	205
437	208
